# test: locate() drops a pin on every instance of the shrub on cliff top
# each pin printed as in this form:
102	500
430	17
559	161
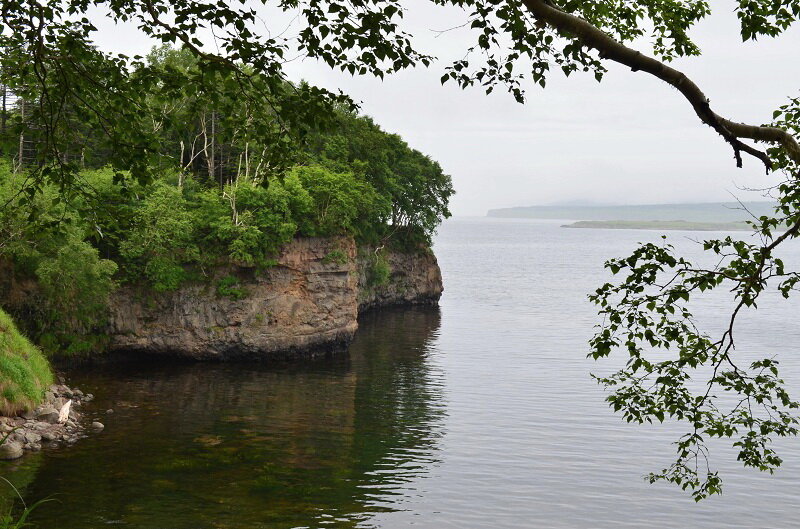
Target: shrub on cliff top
162	238
378	270
24	371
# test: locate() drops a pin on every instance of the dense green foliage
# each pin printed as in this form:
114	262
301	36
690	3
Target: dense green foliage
378	270
24	371
346	176
416	190
47	243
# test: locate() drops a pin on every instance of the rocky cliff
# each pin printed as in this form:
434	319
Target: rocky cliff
412	279
305	305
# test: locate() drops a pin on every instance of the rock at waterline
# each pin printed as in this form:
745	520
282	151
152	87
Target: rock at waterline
10	450
48	414
49	437
97	426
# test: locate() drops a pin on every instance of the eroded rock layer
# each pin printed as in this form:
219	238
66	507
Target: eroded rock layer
305	305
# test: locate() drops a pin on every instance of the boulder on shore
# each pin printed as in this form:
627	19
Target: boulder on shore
10	450
48	414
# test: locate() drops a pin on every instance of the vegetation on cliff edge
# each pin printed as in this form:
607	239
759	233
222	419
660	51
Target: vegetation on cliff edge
214	198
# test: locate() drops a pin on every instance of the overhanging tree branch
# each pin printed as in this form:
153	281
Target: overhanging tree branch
611	49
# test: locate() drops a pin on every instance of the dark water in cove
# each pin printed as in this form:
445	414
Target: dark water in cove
480	414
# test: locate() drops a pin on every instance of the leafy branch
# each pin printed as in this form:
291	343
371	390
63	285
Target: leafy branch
677	371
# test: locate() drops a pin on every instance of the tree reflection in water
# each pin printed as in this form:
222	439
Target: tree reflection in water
242	445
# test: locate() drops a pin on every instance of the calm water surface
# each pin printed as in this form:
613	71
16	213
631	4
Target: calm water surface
480	414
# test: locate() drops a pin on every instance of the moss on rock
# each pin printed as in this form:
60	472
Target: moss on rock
24	371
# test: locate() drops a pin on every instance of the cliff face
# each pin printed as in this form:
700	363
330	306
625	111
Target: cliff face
306	305
413	279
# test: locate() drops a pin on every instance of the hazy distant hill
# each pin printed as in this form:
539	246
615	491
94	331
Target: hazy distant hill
705	212
659	225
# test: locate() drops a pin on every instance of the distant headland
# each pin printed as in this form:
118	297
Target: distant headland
708	216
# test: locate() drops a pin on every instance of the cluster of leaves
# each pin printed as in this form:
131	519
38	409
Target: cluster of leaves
379	271
415	189
230	287
336	256
160	239
766	17
786	117
356	36
675	370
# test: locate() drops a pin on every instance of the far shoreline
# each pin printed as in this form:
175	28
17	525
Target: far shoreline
670	225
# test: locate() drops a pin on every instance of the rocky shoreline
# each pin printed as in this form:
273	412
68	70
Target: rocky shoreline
59	420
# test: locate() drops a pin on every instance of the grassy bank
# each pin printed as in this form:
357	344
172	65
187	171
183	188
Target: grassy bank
24	371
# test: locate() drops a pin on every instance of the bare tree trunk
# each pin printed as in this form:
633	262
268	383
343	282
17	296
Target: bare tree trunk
21	139
180	173
213	167
247	160
3	124
258	167
209	143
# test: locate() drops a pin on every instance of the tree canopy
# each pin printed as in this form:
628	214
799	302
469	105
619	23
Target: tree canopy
48	58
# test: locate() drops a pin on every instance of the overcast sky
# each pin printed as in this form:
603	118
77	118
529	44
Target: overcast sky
628	140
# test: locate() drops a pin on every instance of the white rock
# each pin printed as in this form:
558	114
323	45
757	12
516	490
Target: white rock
63	415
